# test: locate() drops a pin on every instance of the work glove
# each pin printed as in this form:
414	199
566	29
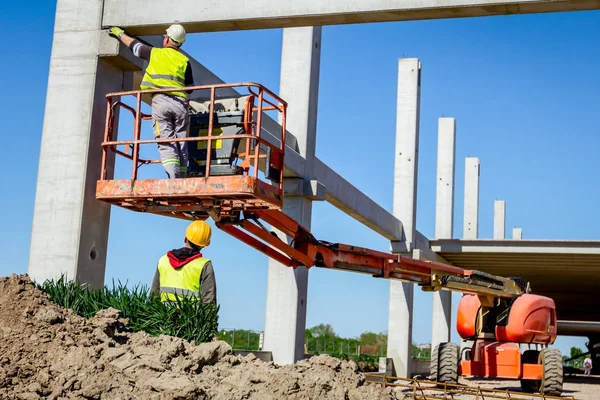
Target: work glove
115	31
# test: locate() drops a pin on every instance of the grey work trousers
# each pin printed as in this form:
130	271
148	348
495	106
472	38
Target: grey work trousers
170	119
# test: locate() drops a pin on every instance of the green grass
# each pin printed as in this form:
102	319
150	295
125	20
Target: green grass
187	319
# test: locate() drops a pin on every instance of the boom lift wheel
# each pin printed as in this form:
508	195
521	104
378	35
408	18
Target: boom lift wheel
444	363
552	381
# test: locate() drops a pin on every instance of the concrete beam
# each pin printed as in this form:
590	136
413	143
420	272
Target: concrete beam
499	219
444	223
517	234
406	162
426	253
346	197
151	17
575	247
287	288
471	199
70	228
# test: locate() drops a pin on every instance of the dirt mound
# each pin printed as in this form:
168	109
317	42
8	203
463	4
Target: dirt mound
49	352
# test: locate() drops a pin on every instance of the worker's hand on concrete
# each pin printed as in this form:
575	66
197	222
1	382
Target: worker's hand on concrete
116	31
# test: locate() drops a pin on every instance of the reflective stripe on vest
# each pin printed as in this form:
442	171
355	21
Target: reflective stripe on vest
166	70
180	282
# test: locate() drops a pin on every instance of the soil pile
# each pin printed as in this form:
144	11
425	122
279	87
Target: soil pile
49	352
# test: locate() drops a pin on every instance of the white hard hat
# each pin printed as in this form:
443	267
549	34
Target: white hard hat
176	33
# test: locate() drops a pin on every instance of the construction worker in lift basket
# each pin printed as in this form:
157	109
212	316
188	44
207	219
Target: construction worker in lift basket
185	272
167	68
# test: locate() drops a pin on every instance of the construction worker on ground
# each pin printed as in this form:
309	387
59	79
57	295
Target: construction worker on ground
168	68
185	272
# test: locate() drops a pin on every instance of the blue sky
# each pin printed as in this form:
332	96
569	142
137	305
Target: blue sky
524	91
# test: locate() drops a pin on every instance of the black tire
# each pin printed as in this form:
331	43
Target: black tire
529	385
447	363
552	380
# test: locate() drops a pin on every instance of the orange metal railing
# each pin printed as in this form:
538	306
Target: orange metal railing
260	100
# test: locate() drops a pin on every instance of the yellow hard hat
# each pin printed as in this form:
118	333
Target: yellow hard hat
198	233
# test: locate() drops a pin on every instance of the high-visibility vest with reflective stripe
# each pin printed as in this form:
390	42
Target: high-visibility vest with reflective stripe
183	281
165	70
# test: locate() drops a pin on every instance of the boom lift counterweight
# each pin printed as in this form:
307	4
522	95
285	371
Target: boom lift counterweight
496	313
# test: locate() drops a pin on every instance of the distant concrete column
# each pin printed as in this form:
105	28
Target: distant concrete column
471	205
405	208
287	288
444	223
517	234
499	219
70	228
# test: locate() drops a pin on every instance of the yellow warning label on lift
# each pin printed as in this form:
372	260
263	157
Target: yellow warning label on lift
216	144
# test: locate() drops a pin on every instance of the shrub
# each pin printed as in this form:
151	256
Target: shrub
186	318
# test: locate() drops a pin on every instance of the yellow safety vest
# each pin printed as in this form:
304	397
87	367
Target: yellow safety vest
183	281
165	70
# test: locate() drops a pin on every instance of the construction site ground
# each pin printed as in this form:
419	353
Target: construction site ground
47	352
579	387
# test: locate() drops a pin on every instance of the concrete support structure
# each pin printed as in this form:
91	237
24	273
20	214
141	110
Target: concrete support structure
444	223
286	287
151	17
517	234
405	208
499	219
471	200
70	228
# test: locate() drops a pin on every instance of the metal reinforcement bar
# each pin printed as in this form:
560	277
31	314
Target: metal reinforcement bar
425	390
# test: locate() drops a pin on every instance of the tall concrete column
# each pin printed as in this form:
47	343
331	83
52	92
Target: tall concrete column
499	219
287	288
405	208
70	228
444	223
471	201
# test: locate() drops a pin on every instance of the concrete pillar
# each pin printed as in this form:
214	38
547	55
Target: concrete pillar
444	223
517	234
471	200
70	228
287	288
499	219
444	200
405	208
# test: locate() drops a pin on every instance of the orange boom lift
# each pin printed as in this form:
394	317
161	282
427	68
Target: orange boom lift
239	184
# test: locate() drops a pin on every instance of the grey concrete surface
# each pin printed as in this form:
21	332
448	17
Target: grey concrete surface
70	228
399	346
471	199
152	17
287	288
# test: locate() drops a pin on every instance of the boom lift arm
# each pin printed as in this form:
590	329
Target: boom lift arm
306	250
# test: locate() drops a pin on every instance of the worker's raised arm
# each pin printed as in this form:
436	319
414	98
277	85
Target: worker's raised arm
139	50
